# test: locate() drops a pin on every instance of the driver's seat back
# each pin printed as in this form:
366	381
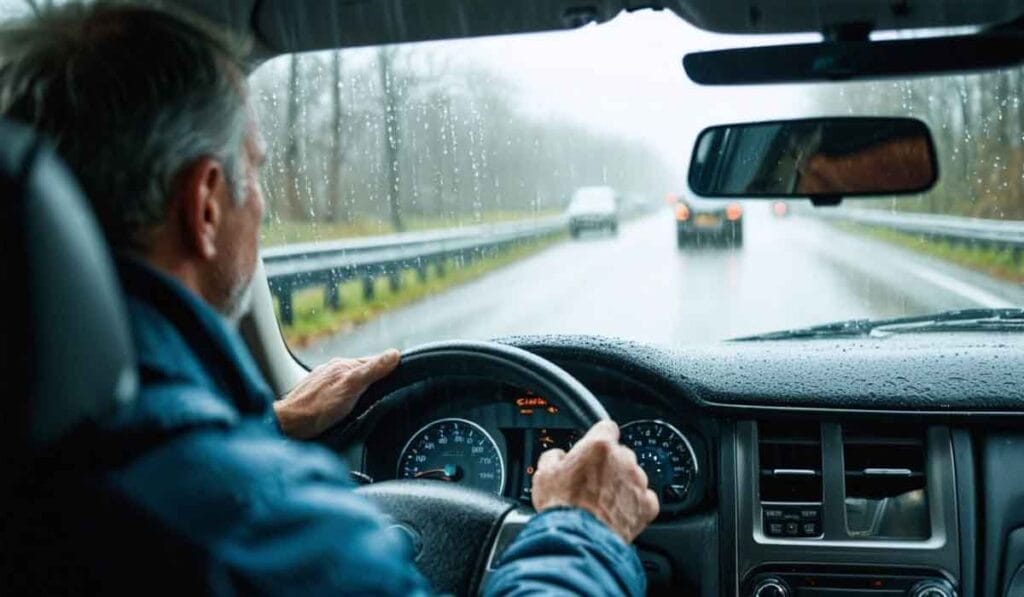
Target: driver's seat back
65	354
67	369
66	351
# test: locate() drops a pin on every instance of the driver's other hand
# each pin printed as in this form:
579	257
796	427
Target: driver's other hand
329	393
598	475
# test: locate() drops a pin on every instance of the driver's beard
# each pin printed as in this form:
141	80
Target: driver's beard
238	300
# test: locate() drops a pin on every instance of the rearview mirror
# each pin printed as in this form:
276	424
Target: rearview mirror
825	159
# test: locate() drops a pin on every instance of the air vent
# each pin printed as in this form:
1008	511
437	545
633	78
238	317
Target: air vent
881	462
884	468
790	462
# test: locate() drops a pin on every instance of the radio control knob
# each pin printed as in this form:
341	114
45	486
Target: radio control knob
771	587
932	588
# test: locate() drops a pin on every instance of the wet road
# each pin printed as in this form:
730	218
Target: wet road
791	272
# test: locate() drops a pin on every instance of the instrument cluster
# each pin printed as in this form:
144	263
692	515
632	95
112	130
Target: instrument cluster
494	444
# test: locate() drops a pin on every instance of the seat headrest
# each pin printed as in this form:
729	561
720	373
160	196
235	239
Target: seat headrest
66	358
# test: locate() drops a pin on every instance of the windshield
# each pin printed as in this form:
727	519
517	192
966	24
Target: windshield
422	192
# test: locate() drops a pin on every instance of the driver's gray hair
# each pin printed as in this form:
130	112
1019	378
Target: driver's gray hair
130	95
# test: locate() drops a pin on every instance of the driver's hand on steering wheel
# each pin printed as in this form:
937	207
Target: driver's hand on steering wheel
598	475
329	393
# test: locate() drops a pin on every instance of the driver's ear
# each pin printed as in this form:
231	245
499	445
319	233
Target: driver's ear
201	189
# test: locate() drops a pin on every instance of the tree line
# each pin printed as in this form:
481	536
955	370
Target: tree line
400	132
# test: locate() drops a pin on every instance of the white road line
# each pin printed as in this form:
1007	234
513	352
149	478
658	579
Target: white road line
968	291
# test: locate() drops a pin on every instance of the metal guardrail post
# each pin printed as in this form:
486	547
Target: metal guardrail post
332	296
284	298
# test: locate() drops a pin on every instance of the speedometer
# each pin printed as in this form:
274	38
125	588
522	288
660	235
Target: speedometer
665	455
455	451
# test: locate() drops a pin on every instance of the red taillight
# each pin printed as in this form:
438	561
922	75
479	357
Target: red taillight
733	212
682	212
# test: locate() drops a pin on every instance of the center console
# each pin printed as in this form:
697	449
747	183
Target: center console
844	510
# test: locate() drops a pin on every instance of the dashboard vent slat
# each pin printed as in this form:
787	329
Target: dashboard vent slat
882	461
790	462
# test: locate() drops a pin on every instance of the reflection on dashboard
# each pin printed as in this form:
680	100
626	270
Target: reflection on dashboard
456	451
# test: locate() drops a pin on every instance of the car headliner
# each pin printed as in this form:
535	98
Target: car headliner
285	26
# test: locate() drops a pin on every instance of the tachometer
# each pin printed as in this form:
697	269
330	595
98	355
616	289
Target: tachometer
665	455
456	451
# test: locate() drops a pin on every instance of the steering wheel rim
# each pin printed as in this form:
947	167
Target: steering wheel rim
471	358
426	512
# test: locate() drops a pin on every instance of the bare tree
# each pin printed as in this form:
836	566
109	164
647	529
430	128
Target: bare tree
400	135
293	197
334	203
390	102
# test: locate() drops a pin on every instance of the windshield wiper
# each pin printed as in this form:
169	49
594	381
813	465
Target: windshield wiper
958	320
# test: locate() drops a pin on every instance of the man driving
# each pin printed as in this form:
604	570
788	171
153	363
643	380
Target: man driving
151	111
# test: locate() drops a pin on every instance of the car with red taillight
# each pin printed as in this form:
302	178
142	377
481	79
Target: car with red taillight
708	222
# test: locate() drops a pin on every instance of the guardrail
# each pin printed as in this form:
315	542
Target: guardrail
329	264
998	234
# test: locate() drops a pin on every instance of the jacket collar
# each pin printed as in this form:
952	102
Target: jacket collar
181	340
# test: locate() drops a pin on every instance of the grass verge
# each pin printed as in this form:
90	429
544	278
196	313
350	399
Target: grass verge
998	263
313	321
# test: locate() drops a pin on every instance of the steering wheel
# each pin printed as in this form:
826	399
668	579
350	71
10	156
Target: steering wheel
456	531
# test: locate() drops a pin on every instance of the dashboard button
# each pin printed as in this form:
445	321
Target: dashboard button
792	529
809	529
773	514
775	529
809	514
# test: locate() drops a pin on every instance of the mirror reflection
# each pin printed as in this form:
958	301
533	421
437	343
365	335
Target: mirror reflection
822	157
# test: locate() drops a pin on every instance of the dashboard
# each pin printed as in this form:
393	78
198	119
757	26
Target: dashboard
815	469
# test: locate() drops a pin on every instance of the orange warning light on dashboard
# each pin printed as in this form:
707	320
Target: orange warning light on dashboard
531	402
527	403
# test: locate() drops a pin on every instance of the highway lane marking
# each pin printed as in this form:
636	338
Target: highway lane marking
968	291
